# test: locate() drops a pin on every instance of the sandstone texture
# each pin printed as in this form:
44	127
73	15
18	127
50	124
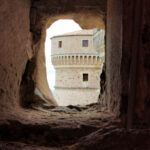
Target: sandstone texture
28	122
15	40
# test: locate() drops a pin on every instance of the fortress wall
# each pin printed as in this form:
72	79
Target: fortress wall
94	61
72	44
66	97
71	61
73	77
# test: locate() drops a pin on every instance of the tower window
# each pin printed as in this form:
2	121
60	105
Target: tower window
84	43
85	77
60	44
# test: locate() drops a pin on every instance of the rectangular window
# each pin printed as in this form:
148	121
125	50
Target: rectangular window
85	77
84	43
60	44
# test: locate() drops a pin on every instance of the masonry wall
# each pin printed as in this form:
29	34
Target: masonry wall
73	77
71	61
73	46
70	89
76	96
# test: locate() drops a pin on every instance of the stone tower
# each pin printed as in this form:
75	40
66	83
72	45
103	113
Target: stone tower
77	59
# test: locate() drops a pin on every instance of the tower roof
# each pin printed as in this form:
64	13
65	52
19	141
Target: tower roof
80	33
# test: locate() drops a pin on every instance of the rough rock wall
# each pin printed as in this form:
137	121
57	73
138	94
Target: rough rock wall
14	49
113	55
135	61
143	74
127	60
101	98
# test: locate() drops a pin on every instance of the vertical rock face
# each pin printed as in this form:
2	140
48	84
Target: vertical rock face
102	100
127	59
27	85
136	32
143	73
14	42
113	54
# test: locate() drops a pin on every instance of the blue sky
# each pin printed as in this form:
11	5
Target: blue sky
58	27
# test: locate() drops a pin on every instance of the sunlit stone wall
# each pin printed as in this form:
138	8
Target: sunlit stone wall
78	68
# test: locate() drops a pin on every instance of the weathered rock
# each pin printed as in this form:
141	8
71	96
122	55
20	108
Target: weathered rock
64	109
114	139
101	99
14	42
22	36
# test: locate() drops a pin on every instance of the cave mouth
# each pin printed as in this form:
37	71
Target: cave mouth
87	60
40	95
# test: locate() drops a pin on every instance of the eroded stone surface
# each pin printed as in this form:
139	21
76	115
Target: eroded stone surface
14	42
54	128
15	36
